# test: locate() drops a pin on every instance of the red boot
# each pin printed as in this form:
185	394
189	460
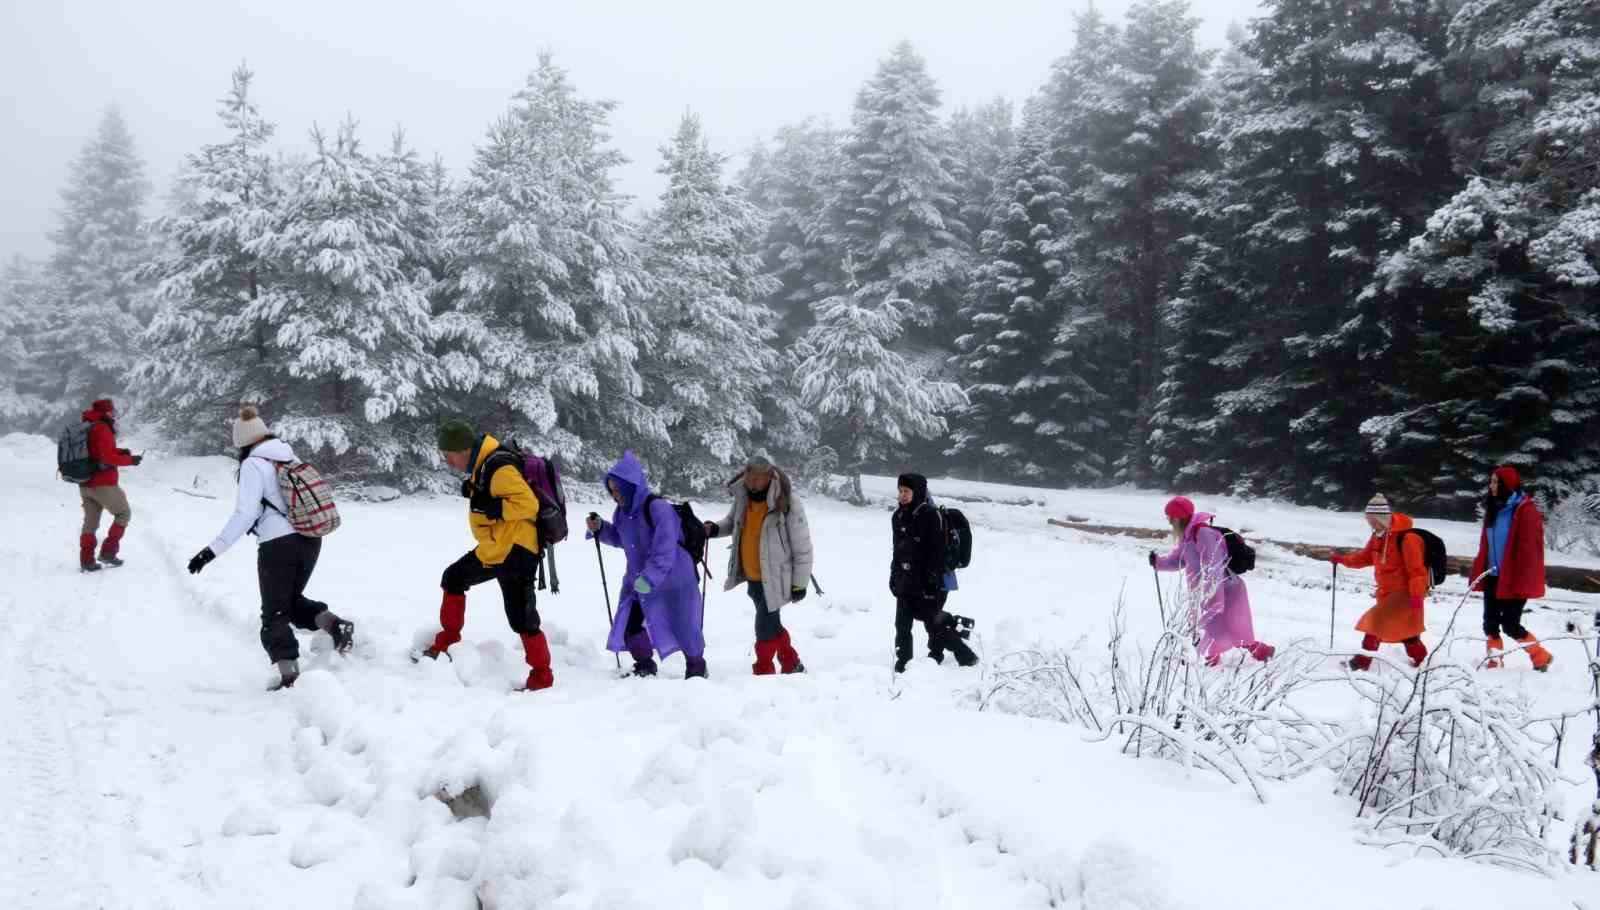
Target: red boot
1495	647
765	651
788	657
1536	652
452	616
113	544
1417	651
537	651
86	561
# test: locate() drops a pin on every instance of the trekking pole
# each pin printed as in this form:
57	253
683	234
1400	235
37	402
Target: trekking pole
1333	603
1159	604
611	619
814	584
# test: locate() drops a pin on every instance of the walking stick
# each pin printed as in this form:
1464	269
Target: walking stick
1159	604
814	584
611	619
1333	603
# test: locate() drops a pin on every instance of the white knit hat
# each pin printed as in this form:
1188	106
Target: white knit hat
1379	505
248	428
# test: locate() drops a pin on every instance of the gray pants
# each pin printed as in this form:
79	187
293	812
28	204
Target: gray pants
104	499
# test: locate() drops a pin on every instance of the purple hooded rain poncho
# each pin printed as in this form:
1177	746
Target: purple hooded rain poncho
1224	622
673	610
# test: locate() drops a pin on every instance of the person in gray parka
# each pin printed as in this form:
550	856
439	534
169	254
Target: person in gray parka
771	556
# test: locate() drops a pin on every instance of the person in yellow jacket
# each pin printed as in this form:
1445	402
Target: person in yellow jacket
500	511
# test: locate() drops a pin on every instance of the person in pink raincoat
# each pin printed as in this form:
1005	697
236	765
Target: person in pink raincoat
1224	621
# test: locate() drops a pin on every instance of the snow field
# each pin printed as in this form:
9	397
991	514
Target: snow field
146	766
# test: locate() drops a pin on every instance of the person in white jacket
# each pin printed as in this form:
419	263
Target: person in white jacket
284	558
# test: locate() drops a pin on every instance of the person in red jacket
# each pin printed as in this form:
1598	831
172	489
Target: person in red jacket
101	493
1510	566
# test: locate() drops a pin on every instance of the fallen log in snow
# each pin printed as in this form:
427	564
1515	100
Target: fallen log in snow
1585	581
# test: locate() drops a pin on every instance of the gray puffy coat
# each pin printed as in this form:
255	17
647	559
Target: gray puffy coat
786	556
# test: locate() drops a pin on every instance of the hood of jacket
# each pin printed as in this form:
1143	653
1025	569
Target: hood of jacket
778	491
629	475
1200	520
273	450
918	485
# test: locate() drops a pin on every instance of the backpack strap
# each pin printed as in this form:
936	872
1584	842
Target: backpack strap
497	459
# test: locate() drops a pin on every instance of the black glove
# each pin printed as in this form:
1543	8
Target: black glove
466	488
490	507
200	560
137	459
797	594
1152	559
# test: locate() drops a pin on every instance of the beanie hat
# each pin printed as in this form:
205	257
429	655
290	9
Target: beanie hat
456	436
103	405
1379	505
1509	477
1180	508
248	428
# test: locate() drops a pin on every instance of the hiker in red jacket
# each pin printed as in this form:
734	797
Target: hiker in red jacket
1510	566
101	493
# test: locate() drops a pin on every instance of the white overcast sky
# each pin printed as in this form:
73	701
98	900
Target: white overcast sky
444	70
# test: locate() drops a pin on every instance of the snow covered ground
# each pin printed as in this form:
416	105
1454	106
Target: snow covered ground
144	764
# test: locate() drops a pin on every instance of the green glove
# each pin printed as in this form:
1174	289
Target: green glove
642	585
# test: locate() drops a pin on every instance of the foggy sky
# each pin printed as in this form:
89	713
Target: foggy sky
445	70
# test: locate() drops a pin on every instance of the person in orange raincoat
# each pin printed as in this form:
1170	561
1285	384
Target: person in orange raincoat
1399	563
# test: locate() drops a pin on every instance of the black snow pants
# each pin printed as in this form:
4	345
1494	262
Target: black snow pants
283	567
928	609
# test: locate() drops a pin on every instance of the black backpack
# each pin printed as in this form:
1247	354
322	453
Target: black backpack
72	454
1241	556
694	530
957	538
1433	554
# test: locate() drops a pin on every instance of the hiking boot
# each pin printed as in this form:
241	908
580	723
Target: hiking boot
113	561
788	657
900	664
695	667
1262	651
1536	652
89	567
646	667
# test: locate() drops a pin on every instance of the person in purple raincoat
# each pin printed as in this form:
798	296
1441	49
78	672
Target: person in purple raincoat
1223	621
660	610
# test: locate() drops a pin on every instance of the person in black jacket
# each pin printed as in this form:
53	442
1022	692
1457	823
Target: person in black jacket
917	577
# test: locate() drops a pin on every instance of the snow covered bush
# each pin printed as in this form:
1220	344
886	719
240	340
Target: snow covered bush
1435	760
1573	524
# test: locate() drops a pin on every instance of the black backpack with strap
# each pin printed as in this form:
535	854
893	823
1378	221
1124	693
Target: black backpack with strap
694	529
957	538
1434	555
1241	556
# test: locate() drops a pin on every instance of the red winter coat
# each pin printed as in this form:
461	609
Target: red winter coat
103	448
1522	566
